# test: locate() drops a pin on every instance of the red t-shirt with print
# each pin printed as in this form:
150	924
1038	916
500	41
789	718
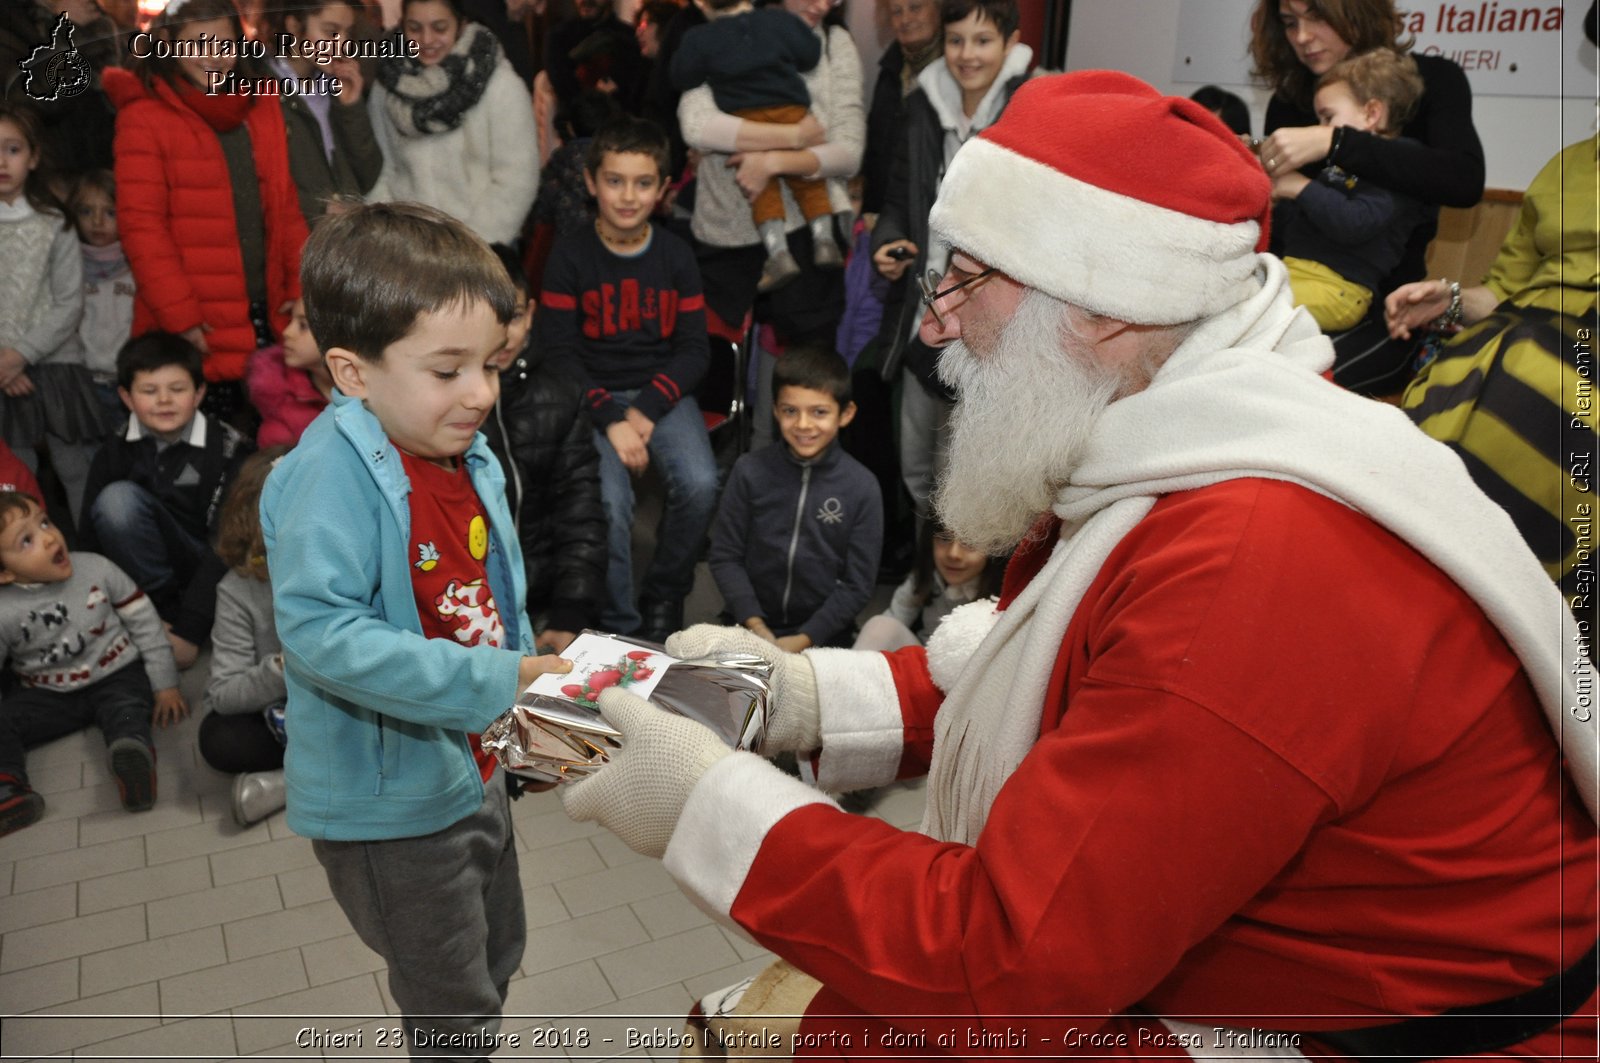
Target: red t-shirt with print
449	542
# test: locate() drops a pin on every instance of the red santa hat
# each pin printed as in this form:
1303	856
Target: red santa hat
1097	189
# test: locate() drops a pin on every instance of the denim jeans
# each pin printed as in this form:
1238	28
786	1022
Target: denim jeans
144	540
681	452
120	705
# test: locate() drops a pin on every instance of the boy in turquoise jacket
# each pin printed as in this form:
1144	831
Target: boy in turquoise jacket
398	589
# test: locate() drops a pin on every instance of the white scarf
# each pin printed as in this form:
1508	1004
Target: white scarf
1241	397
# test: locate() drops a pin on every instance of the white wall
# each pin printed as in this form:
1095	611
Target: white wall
1519	133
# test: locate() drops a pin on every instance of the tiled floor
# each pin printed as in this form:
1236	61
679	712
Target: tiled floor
175	934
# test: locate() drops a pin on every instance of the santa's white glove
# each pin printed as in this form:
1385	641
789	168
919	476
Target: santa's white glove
794	723
640	794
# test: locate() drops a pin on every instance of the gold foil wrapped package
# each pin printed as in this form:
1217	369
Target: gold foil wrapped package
555	732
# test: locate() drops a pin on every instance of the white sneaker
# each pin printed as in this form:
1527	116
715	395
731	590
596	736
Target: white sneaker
257	795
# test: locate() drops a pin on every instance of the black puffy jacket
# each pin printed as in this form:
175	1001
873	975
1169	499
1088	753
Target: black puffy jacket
542	434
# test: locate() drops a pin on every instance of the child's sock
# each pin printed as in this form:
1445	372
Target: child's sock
773	238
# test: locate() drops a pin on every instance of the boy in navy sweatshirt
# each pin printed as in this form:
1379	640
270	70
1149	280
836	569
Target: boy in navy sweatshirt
795	547
622	302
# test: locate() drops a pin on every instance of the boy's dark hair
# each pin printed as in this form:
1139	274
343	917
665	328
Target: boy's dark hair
157	350
239	541
1230	108
1382	74
15	502
815	367
624	134
367	275
1003	13
513	264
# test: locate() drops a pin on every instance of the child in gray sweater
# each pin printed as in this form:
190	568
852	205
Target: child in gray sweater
86	646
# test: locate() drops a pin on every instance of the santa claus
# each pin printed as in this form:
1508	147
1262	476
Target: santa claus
1278	742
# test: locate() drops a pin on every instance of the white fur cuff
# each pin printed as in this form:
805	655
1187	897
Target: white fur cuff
729	812
863	732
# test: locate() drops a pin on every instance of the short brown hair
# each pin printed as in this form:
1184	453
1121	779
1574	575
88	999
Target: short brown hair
1361	24
239	541
367	275
15	502
1382	74
626	134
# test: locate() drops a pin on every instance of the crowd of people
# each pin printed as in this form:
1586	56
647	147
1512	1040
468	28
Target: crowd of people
356	379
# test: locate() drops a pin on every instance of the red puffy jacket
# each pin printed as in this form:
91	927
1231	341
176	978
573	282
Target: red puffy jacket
175	214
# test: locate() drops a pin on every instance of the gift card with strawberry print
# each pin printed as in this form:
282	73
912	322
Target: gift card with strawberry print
599	662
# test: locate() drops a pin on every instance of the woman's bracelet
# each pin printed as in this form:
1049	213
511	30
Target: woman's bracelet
1450	320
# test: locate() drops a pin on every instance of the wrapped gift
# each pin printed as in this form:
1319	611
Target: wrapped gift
555	732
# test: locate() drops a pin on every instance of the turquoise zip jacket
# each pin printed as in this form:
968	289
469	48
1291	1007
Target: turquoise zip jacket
378	714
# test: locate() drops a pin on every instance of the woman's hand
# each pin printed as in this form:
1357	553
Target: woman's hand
753	170
1290	148
347	72
197	336
1415	306
893	267
808	132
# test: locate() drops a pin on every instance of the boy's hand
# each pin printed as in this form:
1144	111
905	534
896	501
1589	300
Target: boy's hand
348	73
894	266
170	707
794	643
197	336
629	447
532	668
12	365
641	424
1290	185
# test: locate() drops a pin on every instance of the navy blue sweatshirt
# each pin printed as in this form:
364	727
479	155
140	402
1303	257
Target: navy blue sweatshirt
796	542
750	60
626	322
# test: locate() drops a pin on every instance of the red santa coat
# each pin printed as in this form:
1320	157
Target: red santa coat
176	219
1304	784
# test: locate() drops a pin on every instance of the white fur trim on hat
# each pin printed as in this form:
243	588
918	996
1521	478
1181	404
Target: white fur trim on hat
1108	253
863	731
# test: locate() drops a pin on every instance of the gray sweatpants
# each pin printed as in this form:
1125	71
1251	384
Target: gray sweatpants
445	912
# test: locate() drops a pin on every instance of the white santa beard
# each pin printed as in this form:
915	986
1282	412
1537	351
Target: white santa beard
1023	413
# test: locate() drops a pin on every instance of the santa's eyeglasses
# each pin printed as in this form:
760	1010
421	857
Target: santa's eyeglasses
931	295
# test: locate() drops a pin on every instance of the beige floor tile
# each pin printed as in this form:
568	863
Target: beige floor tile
613	851
99	796
268	857
304	885
212	907
551	828
542	907
668	914
76	937
50	835
233	984
39	987
199	839
75	748
710	981
645	1024
327	1007
277	826
170	813
205	1037
59	777
557	862
150	961
338	958
143	884
73	865
49	905
88	1021
292	927
615	886
742	944
582	939
635	970
288	1053
556	992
